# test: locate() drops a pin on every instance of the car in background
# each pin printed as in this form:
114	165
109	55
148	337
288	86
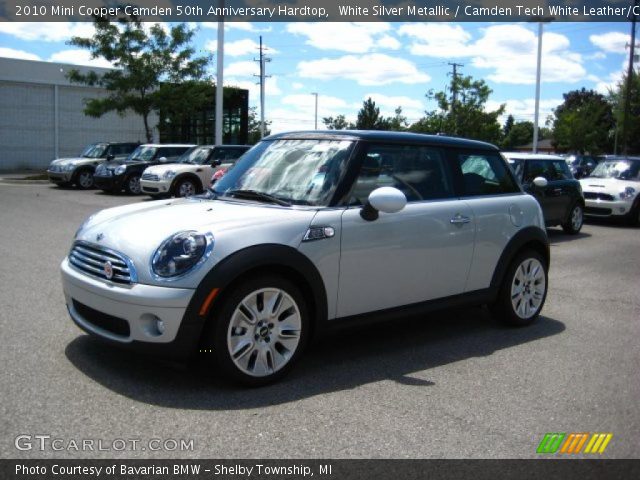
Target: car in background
549	180
191	173
79	170
581	165
613	189
117	176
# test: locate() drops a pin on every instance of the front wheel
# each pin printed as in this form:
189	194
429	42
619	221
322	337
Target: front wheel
574	223
84	179
132	184
523	291
260	330
186	188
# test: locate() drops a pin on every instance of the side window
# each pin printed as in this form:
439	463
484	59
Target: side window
540	168
417	171
562	171
485	174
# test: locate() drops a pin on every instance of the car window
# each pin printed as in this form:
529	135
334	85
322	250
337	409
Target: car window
227	154
540	168
485	174
561	170
417	171
142	154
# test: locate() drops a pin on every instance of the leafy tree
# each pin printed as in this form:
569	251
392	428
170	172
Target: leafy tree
617	98
583	123
464	115
398	122
369	117
520	133
508	125
143	60
337	123
254	126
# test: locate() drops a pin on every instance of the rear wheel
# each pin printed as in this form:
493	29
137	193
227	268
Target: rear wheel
84	179
132	184
186	188
523	291
576	218
260	330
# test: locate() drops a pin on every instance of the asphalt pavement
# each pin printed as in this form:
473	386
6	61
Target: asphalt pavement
451	385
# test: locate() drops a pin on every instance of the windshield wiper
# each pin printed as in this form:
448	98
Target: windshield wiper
256	195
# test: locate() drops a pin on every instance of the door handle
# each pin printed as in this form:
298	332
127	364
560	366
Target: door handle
459	219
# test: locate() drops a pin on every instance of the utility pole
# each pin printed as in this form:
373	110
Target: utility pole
627	96
220	80
536	113
316	114
454	93
263	60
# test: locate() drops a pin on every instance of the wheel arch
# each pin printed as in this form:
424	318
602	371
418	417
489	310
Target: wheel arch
187	175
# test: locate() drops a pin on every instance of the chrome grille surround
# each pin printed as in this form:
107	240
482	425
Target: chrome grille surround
92	259
151	177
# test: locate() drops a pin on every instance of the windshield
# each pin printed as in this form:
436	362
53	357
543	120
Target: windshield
303	172
623	170
195	156
95	150
142	154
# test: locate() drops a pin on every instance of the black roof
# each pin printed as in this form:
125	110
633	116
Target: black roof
384	136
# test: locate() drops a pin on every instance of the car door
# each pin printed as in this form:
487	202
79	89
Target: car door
548	197
565	188
420	253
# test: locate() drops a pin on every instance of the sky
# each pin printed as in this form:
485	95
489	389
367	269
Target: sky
395	64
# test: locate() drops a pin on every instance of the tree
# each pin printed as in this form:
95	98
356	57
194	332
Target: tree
584	122
254	126
508	125
143	61
369	117
520	133
617	98
337	123
464	115
398	122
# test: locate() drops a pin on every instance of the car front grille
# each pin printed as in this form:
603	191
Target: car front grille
102	263
599	196
107	322
151	177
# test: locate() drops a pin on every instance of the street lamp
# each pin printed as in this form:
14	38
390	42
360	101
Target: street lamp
541	21
219	79
315	94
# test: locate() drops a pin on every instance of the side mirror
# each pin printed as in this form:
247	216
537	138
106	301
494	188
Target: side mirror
162	159
110	157
540	182
383	199
216	162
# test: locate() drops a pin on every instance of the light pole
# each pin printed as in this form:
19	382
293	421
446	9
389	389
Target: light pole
315	94
219	79
536	114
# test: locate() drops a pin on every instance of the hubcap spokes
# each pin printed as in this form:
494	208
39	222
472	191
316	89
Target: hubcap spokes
264	332
85	180
134	184
528	288
576	218
186	189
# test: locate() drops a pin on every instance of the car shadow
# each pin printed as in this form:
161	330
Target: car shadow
609	222
402	351
558	236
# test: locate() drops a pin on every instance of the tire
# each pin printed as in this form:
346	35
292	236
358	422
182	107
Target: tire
251	346
186	188
84	179
522	308
132	184
634	216
574	223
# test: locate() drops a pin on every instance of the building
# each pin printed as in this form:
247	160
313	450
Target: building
544	146
42	116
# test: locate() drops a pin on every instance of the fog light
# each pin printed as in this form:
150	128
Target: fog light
160	326
622	209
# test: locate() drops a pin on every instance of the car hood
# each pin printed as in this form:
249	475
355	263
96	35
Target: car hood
175	167
76	161
137	230
607	185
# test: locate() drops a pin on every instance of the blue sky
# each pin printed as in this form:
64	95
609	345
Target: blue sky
394	63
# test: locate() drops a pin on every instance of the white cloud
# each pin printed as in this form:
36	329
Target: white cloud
47	31
611	42
296	112
393	102
21	54
240	47
372	69
387	41
271	87
524	109
244	26
441	40
342	36
297	85
79	57
246	68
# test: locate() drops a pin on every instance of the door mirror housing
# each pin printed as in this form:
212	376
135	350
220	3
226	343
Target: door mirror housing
540	182
110	157
383	199
162	159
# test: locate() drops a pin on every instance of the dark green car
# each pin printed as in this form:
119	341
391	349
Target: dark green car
549	180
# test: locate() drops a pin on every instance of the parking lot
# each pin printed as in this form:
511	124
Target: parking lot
452	385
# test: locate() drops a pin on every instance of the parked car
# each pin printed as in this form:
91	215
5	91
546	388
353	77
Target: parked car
117	176
613	189
191	173
309	231
581	165
548	179
79	170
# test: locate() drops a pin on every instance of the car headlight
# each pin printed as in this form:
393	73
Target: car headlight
84	224
180	253
629	192
120	170
69	167
169	174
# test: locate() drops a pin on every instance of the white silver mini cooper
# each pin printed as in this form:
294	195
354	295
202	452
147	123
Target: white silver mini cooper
308	231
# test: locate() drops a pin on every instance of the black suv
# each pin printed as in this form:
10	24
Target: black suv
115	176
548	178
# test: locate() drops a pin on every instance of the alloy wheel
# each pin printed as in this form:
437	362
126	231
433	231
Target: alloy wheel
528	288
85	179
186	189
577	218
134	184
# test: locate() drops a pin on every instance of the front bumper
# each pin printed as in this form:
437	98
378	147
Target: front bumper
604	208
59	177
127	314
113	182
152	187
